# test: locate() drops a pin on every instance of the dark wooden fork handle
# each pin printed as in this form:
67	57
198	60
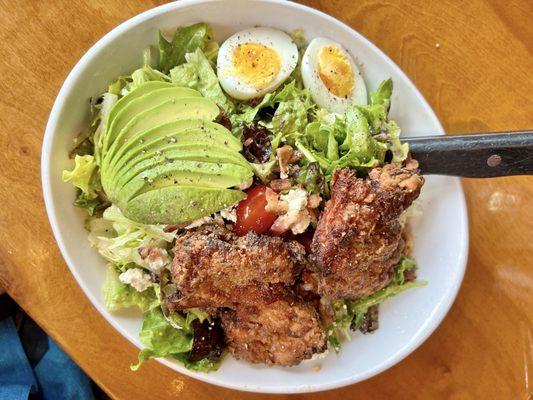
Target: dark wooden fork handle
475	156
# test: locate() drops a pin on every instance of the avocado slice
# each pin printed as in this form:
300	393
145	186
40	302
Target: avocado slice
143	103
177	204
141	90
171	110
172	132
193	151
183	172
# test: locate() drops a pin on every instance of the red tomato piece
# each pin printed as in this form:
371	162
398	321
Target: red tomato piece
251	213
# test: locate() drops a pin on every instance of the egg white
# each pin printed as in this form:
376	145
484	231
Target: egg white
275	39
319	92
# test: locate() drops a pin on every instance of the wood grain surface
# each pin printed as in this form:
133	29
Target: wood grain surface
473	62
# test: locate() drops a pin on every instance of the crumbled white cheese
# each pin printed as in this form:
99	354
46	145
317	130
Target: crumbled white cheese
229	214
302	220
155	259
296	198
137	278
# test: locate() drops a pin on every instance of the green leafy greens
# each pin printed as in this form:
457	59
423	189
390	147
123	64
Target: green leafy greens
197	73
350	314
185	40
119	295
358	139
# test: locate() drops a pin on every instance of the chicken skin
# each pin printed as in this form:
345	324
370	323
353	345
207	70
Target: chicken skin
212	265
358	239
247	282
278	329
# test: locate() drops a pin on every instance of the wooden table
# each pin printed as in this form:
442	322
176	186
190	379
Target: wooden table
472	61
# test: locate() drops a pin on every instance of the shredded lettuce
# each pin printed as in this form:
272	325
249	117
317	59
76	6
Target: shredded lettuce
350	314
197	73
119	295
117	238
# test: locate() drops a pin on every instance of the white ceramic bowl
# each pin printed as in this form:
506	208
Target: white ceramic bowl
440	233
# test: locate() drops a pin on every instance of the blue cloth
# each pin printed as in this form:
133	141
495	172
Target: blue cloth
46	371
16	375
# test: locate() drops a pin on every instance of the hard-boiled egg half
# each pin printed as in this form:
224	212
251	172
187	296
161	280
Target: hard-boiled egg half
255	61
332	76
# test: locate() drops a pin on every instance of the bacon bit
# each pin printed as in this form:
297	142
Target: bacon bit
284	157
223	119
297	222
411	183
296	156
281	225
280	184
409	275
411	164
248	142
274	204
171	228
153	258
254	102
313	201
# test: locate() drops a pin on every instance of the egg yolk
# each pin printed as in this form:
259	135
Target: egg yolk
255	64
335	71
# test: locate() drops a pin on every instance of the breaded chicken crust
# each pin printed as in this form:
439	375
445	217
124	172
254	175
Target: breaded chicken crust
358	239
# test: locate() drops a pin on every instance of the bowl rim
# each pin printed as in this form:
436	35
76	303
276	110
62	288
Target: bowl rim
46	178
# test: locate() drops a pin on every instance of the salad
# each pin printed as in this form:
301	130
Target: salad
248	198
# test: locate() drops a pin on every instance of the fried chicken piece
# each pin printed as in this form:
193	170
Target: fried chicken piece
278	329
358	240
211	266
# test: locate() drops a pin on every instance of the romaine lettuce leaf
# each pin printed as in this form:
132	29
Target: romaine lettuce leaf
203	365
358	139
186	39
160	338
382	95
246	113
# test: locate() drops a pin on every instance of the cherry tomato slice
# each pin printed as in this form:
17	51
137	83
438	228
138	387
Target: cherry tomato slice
251	213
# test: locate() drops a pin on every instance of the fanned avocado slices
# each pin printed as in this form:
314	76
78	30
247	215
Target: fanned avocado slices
142	103
143	89
177	204
165	161
184	172
169	110
174	132
192	151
